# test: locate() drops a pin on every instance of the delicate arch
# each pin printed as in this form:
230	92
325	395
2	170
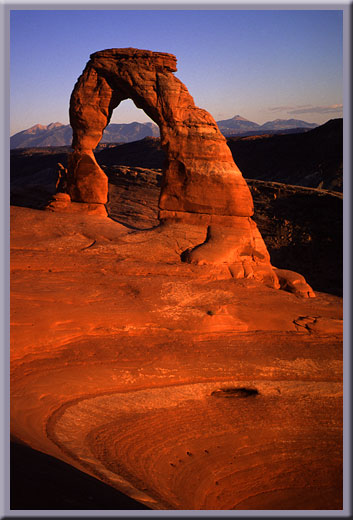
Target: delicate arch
200	175
201	185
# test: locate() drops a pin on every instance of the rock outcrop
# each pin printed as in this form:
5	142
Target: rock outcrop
200	175
202	184
175	384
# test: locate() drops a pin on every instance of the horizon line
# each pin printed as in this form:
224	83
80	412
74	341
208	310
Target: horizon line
12	134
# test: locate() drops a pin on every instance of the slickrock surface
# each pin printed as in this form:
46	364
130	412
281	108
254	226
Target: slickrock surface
177	384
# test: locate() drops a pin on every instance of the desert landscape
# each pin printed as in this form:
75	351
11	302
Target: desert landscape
176	308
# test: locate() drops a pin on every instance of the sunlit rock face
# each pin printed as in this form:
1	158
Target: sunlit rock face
200	174
178	385
201	183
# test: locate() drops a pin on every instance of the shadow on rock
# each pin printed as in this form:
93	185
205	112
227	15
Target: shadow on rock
39	481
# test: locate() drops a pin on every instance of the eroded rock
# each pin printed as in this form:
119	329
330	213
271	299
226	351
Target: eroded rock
175	385
200	175
201	182
294	282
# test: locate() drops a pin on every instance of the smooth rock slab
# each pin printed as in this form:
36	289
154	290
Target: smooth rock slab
123	351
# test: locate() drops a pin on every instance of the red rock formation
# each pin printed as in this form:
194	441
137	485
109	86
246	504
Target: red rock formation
180	386
202	184
200	176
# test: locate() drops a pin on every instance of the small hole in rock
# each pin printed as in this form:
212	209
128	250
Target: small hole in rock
235	392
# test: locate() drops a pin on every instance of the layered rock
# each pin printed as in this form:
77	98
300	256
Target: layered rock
200	175
169	382
202	184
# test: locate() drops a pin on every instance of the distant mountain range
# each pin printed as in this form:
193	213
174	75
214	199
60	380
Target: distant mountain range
239	125
57	134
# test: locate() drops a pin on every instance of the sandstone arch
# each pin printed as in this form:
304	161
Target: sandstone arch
202	184
200	176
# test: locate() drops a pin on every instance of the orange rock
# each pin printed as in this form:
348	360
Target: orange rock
200	175
294	282
86	182
176	384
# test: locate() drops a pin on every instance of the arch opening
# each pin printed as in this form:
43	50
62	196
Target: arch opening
129	123
127	112
134	169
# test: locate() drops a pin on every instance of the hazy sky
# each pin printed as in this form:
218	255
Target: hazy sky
260	64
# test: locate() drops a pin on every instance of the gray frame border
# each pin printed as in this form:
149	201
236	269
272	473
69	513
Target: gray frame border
5	8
